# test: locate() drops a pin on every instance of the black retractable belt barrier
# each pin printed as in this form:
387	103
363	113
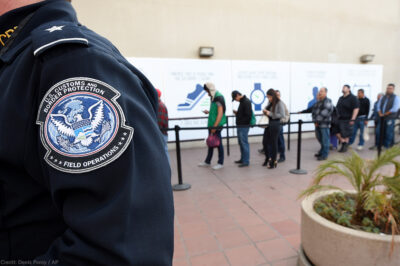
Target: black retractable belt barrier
180	185
288	135
298	170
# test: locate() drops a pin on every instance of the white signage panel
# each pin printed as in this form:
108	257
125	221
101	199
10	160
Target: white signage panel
181	82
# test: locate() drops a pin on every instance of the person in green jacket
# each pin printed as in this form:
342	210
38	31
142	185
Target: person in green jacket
216	118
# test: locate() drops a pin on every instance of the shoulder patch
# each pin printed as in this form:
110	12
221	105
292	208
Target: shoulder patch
82	126
50	35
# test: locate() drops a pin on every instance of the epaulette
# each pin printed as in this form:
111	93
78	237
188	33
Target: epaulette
52	34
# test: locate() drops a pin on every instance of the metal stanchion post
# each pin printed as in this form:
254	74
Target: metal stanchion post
180	185
228	150
298	170
288	136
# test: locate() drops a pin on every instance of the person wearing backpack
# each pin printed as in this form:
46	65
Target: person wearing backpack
244	117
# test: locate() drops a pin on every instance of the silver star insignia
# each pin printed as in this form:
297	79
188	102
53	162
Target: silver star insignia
119	143
59	162
122	138
125	133
54	28
55	160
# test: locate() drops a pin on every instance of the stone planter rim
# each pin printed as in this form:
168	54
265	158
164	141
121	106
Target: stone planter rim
308	206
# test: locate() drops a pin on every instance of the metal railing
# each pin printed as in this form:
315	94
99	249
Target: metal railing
298	170
228	136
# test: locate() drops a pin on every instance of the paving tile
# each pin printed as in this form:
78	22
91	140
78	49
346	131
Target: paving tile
201	245
179	250
222	224
189	217
244	256
212	213
273	215
232	238
295	241
260	232
210	259
194	229
181	262
277	249
251	220
258	207
286	227
288	262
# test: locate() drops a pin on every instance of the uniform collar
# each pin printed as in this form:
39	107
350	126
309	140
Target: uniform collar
44	12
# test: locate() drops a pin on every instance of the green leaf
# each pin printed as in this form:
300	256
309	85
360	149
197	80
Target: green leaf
344	219
393	184
376	230
374	200
314	188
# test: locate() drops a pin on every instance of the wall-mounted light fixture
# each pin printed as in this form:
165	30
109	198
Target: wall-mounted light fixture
367	58
206	51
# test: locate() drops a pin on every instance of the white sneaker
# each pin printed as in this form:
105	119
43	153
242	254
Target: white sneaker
203	164
360	148
217	166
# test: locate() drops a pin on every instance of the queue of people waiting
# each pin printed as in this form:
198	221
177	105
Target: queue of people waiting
334	125
341	124
276	111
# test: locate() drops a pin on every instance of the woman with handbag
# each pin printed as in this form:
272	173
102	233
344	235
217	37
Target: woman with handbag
275	111
216	119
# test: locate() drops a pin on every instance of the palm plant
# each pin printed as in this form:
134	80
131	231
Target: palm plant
376	195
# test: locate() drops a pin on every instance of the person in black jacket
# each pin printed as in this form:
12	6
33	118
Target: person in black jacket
78	185
347	110
243	118
275	111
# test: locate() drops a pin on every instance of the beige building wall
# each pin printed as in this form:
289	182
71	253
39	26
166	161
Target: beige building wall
276	30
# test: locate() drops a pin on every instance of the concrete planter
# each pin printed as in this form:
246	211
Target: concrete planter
328	244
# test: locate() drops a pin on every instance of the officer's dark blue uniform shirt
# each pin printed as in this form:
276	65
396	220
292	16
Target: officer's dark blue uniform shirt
83	176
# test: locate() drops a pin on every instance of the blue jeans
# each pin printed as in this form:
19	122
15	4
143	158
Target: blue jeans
220	151
243	138
334	141
358	124
323	136
388	138
166	145
281	145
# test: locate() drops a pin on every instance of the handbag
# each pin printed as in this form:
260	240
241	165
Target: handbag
263	122
213	141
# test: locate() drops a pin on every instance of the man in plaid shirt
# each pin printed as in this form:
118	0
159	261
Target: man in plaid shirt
163	120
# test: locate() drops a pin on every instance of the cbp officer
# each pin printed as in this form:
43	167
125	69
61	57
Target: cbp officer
78	142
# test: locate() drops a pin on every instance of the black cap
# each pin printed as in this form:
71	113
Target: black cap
234	94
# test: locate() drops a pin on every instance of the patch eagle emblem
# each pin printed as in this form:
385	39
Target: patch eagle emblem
82	126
